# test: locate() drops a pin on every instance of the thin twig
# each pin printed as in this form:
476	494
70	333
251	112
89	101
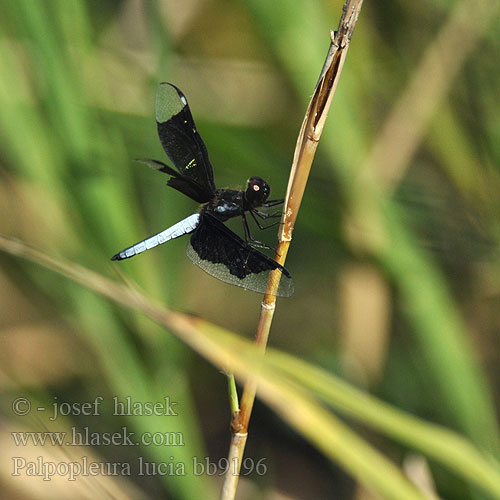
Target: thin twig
233	395
307	142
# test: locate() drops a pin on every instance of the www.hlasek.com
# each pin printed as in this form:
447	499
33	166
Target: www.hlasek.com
46	470
86	437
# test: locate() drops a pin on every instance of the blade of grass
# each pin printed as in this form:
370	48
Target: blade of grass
446	447
301	411
56	138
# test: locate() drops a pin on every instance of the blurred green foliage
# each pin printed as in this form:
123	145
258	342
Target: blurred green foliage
397	290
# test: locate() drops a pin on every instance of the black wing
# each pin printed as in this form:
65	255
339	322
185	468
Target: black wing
183	144
224	255
183	184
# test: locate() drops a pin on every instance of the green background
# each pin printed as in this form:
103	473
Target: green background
396	271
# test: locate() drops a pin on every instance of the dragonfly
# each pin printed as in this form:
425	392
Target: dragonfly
212	245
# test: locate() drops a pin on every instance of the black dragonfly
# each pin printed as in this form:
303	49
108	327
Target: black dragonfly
212	246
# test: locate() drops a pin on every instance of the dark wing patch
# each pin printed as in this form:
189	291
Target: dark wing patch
224	255
188	188
158	165
183	184
181	141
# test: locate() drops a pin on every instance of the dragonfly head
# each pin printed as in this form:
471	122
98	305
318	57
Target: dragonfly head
257	191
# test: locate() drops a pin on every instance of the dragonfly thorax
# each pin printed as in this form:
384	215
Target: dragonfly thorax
226	204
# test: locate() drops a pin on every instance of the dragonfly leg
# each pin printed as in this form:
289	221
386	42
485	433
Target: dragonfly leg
264	215
260	225
272	203
248	236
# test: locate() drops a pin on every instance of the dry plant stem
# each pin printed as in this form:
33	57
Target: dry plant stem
307	142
